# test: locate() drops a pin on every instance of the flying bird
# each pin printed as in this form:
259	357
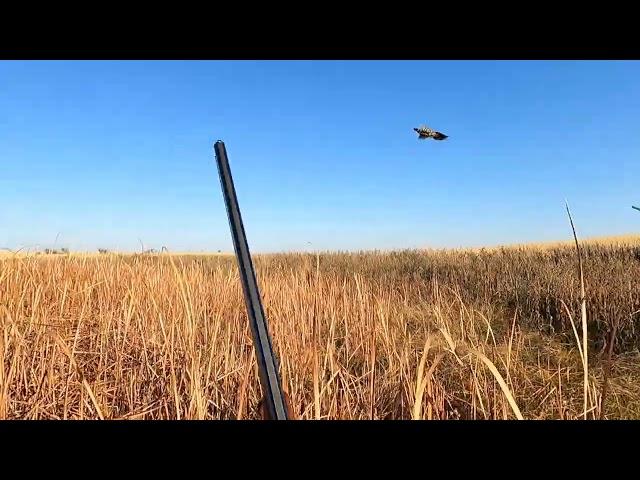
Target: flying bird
635	208
426	132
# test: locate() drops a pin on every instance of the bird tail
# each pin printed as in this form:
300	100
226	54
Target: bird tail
440	136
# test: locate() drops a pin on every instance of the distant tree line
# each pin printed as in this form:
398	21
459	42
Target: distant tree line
53	251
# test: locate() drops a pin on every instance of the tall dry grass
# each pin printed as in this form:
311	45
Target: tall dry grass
481	335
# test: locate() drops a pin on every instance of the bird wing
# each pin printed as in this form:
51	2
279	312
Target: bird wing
439	136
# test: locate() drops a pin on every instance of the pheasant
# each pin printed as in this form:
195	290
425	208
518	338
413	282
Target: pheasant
426	132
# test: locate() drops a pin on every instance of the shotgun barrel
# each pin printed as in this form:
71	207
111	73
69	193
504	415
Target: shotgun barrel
273	397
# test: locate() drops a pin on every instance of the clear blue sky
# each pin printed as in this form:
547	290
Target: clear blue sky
104	153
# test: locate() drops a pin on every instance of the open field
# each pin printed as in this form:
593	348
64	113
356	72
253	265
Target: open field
614	240
484	334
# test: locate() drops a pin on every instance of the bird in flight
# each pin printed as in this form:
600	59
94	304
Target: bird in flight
426	132
636	208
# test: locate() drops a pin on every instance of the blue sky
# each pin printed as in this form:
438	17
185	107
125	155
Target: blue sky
102	154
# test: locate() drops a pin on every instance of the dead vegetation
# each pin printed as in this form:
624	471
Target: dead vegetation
431	335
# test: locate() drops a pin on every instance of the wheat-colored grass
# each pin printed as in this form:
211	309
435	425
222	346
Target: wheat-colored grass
400	335
630	239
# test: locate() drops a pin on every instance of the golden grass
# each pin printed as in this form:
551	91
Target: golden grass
401	335
7	253
631	239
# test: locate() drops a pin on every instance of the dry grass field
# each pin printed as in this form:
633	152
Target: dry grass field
468	334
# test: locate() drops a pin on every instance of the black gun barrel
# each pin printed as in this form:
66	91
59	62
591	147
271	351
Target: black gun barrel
267	363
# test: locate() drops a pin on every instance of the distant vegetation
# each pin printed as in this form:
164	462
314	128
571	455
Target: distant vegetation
53	251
